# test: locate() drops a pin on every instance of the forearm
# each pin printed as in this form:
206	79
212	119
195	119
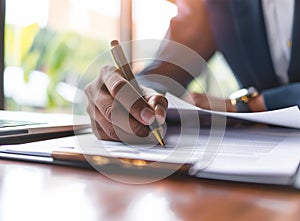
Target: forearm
187	46
164	76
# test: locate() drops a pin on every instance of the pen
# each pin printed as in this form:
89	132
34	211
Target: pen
123	65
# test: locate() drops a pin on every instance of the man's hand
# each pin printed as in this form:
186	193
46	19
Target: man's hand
209	102
116	110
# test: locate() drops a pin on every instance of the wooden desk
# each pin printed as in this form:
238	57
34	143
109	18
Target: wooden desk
30	191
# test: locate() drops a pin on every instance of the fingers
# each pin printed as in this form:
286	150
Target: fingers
104	130
122	119
118	112
98	122
159	104
121	90
119	124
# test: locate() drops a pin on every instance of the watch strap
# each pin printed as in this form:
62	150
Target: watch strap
240	98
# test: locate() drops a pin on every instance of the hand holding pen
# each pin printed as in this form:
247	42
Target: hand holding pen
111	97
126	72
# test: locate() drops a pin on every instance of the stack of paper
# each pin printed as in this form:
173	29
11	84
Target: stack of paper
287	117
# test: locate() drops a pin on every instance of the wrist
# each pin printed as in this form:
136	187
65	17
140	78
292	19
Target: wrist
229	106
240	100
257	104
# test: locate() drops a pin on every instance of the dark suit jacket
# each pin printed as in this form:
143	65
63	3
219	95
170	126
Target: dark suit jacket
236	28
239	31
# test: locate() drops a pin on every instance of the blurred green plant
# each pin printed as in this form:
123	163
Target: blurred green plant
58	54
18	41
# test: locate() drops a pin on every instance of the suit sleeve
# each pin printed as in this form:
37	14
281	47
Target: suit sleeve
282	97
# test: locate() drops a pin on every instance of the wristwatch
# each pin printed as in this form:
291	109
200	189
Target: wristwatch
241	98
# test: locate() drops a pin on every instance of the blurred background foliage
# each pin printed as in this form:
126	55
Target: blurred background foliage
62	56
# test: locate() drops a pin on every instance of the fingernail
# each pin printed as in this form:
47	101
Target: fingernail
147	115
160	114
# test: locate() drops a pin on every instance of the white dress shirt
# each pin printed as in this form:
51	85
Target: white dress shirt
279	16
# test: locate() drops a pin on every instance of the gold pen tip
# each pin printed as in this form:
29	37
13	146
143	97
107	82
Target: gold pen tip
162	143
157	135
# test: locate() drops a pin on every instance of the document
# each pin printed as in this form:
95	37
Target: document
287	117
259	155
269	155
